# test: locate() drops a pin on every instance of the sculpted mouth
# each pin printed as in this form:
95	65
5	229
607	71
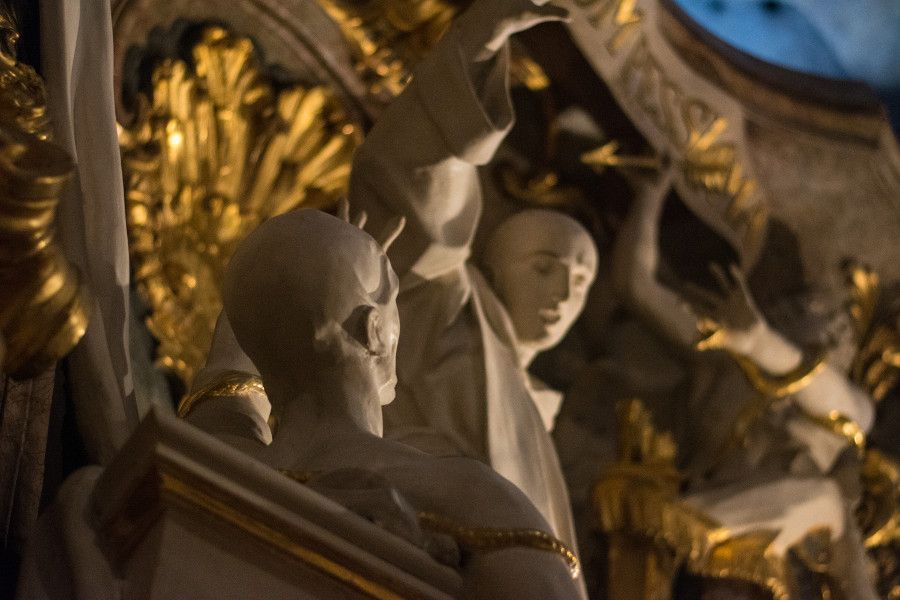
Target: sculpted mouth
549	316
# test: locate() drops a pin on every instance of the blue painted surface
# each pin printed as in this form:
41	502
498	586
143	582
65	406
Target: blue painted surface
846	39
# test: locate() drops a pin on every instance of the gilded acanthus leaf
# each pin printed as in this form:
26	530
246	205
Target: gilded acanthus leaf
213	151
876	367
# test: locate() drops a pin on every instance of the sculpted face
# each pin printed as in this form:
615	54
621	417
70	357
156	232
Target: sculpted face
383	330
541	264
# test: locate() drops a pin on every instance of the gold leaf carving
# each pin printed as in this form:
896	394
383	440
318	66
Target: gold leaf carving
43	306
876	367
388	37
213	151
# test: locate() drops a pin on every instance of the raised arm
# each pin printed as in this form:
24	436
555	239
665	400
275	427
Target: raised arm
822	392
735	324
421	158
636	260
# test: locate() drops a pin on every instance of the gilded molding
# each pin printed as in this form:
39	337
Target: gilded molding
485	539
388	37
214	149
173	486
229	383
43	304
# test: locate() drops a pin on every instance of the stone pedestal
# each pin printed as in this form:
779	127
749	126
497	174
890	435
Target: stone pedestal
181	515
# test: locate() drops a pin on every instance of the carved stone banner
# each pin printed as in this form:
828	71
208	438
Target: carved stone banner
756	141
679	112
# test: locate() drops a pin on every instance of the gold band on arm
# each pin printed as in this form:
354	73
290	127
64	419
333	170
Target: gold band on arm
228	383
780	386
486	539
843	426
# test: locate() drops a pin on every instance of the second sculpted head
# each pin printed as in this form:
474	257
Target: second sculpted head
541	264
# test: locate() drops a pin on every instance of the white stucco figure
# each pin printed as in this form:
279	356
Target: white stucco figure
325	343
471	329
776	471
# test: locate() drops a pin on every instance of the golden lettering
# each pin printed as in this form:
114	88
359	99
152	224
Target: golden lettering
688	124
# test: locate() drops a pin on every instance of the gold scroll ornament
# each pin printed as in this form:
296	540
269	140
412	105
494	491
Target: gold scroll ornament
388	37
43	305
215	149
652	533
876	369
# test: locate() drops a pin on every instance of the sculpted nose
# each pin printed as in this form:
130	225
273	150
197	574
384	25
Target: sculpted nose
563	289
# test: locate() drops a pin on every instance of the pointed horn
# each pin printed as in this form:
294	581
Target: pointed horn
391	232
361	218
343	209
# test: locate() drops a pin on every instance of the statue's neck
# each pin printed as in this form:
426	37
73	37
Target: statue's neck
333	404
304	431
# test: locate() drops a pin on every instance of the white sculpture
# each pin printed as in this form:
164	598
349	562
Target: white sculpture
325	343
469	333
793	499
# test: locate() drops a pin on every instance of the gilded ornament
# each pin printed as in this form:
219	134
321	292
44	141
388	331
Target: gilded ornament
481	539
637	505
229	383
388	37
485	539
607	156
876	367
780	386
43	304
841	425
214	149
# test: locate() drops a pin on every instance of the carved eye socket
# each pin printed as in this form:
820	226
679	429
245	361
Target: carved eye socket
374	327
542	264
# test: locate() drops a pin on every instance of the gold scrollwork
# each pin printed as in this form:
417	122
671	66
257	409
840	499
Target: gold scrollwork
637	505
43	305
876	367
485	539
387	37
878	515
214	150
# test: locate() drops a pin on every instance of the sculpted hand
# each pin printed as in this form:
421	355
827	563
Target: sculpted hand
650	184
729	320
486	25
